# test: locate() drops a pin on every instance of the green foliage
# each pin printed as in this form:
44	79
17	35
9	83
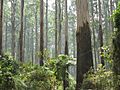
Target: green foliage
39	78
116	17
60	66
116	42
8	69
19	76
25	76
100	80
107	55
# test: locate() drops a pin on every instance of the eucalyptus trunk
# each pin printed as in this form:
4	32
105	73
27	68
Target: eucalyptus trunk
21	52
1	25
83	36
100	33
41	33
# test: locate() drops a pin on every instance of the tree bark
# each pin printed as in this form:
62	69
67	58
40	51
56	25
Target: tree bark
21	52
94	38
6	33
59	27
65	78
41	33
36	42
56	35
13	3
101	33
66	29
1	24
46	24
111	12
83	36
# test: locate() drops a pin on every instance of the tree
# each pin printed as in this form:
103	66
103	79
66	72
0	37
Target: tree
21	52
13	26
59	26
36	32
1	24
66	29
65	78
93	30
41	33
83	36
100	33
46	24
56	35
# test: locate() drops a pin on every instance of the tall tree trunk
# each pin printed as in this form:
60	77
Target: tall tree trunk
28	45
21	52
94	40
36	42
46	24
32	46
66	29
25	25
65	78
56	35
13	26
111	12
74	44
6	33
41	33
83	35
1	24
101	33
59	27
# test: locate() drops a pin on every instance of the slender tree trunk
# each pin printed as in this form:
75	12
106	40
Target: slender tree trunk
13	26
32	48
28	45
65	78
36	43
25	25
74	44
41	33
111	12
66	29
83	35
6	33
59	27
93	29
21	52
56	35
46	24
101	33
1	25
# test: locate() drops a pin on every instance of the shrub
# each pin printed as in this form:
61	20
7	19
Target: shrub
8	69
100	80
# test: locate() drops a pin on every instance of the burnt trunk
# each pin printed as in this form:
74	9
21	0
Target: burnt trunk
84	53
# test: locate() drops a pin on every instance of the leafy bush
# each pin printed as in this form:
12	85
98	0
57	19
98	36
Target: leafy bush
37	77
8	69
60	66
100	80
25	76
